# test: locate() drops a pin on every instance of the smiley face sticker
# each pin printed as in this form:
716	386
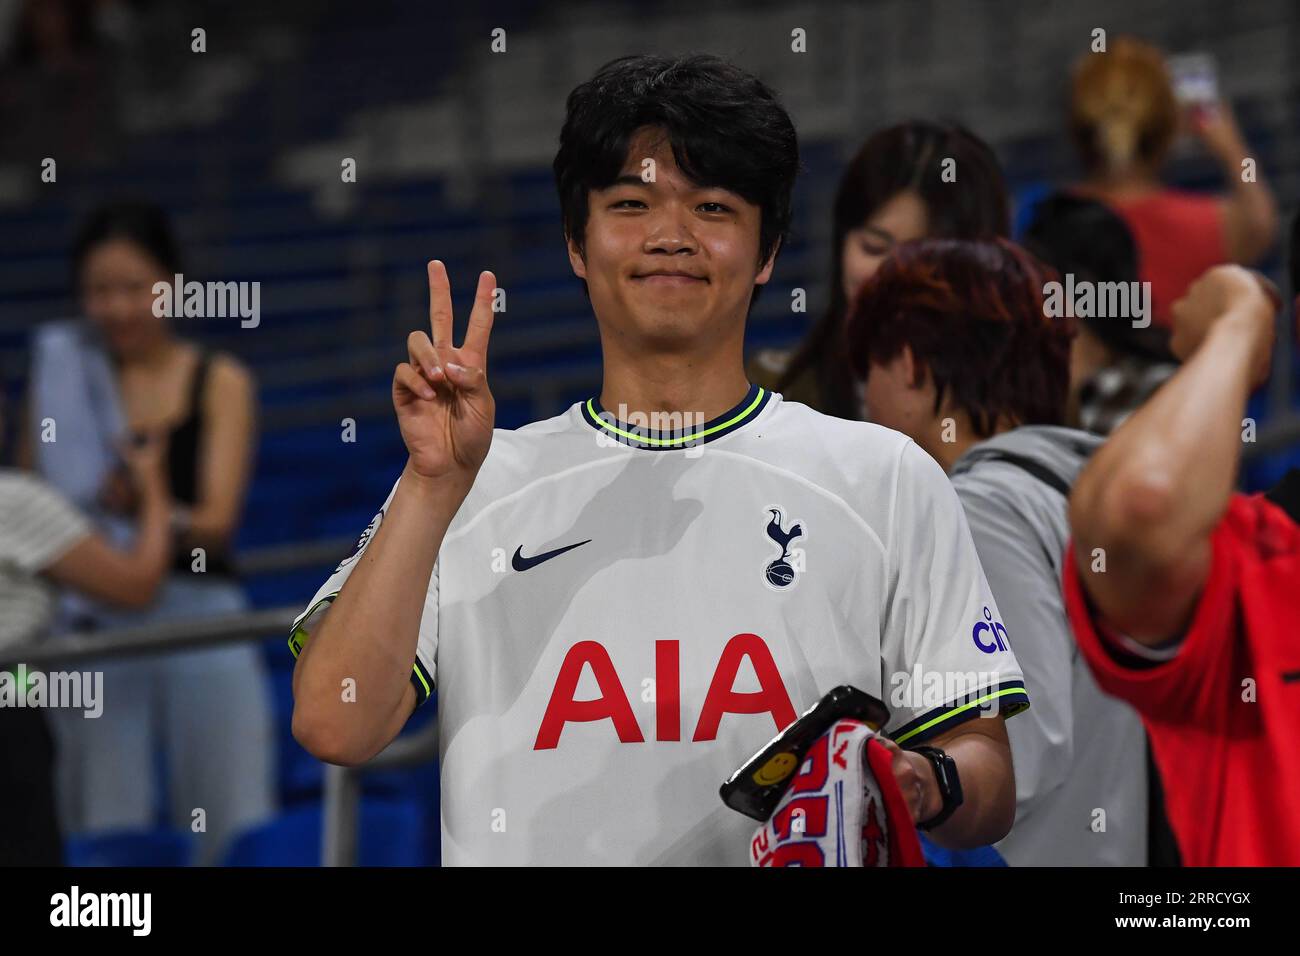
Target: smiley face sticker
777	768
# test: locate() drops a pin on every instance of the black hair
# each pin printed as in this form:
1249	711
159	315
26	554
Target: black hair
907	157
726	128
1084	237
144	224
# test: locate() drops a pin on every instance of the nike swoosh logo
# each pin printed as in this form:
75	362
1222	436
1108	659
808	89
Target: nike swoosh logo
520	563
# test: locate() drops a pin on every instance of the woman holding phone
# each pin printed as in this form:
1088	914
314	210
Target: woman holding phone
1125	113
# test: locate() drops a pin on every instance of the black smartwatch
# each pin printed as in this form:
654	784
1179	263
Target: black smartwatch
945	772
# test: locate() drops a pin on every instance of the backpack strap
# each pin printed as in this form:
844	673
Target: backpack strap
1039	471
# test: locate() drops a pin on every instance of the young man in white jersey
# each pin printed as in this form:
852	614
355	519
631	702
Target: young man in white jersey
617	613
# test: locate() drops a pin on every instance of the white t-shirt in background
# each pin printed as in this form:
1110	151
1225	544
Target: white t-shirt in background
37	527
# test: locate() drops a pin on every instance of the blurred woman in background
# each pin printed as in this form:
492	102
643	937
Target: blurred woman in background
208	710
1124	117
899	186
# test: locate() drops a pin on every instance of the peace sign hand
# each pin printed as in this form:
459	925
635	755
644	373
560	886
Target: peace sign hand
444	408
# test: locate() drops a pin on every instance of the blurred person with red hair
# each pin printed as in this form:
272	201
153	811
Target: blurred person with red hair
1124	117
958	351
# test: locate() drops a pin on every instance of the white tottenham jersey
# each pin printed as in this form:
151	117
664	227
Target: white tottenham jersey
620	616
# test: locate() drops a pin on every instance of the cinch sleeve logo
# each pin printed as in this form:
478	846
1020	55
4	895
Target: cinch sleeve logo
989	635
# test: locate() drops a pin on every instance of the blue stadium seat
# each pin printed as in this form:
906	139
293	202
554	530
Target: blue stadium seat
160	847
391	834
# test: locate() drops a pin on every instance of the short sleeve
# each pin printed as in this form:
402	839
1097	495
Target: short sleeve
423	667
1026	585
946	654
1188	686
38	525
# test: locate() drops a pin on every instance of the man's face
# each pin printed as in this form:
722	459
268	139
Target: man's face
668	262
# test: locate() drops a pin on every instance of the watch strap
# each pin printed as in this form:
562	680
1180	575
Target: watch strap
945	772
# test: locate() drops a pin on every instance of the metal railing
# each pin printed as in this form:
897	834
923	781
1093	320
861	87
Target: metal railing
159	638
343	791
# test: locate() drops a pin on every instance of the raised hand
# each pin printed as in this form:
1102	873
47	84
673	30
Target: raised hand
1215	126
444	408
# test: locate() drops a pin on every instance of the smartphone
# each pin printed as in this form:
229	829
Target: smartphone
758	786
1196	78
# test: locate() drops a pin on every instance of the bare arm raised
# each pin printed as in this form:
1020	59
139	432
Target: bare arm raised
446	413
1152	496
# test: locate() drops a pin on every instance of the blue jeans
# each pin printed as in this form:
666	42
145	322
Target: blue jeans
207	711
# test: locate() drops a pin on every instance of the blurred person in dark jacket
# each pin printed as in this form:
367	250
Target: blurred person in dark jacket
1115	364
